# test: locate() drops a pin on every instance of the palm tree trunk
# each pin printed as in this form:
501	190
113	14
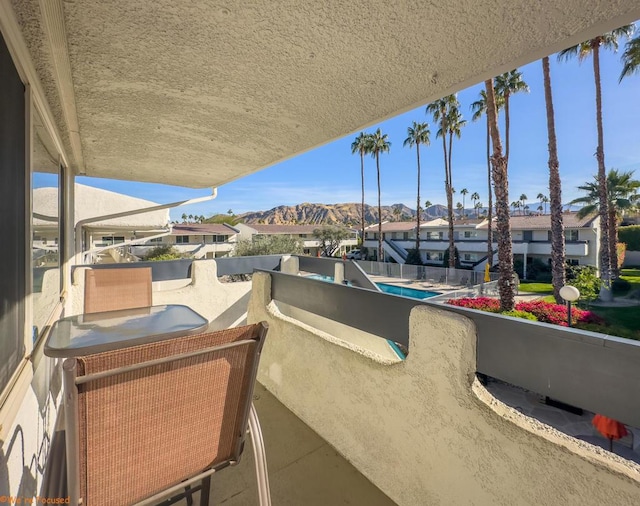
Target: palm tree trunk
501	185
380	256
418	202
613	241
507	122
490	211
605	258
362	205
555	192
452	256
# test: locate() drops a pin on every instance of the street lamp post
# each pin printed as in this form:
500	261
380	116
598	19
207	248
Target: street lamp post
570	294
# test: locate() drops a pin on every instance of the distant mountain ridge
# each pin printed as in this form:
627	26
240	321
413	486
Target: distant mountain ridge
335	214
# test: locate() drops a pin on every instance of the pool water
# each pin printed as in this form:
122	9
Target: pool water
414	293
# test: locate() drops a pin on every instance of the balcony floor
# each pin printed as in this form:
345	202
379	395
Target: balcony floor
303	468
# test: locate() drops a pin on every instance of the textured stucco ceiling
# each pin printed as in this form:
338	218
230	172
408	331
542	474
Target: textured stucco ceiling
199	93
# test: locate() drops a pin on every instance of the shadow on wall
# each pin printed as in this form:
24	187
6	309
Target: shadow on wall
28	483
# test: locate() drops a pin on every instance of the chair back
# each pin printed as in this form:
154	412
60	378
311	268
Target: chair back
151	416
114	289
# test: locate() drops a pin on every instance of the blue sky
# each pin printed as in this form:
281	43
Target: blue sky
331	174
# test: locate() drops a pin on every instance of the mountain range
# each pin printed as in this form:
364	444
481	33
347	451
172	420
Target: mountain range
328	214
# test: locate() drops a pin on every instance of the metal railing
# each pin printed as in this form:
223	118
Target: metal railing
425	273
586	369
353	273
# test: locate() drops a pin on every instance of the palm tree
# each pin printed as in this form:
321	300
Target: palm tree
417	134
379	144
506	85
464	193
184	217
460	209
541	198
516	205
479	107
501	185
622	195
630	58
361	146
397	212
477	206
558	277
608	40
446	112
475	196
427	205
190	218
523	199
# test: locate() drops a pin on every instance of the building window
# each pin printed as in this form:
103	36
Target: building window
405	236
573	261
571	235
469	257
155	240
303	236
221	238
435	255
182	239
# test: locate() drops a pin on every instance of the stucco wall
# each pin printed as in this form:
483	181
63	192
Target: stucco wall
424	430
205	294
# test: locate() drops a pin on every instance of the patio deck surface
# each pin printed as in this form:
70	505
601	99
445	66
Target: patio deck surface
303	468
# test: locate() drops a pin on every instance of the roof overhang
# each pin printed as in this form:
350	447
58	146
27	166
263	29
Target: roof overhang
200	93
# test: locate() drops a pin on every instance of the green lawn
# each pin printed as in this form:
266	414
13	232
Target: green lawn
632	276
541	288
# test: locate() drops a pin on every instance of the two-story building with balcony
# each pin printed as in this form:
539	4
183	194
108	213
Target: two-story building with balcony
531	237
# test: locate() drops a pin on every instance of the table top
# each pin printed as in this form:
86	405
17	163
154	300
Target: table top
86	334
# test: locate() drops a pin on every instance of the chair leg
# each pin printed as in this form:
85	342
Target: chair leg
205	488
264	494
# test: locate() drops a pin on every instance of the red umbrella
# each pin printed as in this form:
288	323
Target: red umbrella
609	428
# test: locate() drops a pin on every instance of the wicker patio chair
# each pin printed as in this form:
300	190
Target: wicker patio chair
113	289
146	422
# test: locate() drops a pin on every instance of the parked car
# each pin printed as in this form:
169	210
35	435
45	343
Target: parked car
354	254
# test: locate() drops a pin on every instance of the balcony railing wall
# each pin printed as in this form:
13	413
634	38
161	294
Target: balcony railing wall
424	430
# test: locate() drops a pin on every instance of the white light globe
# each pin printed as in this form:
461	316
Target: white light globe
569	293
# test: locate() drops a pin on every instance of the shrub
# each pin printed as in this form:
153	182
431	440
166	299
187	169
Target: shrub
557	313
164	252
621	251
620	286
413	257
521	314
481	303
268	245
456	256
587	283
630	236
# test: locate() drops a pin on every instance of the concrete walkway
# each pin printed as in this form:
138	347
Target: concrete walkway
303	468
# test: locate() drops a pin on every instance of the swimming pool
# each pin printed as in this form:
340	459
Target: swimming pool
414	293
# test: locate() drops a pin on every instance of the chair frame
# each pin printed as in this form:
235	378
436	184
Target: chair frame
71	381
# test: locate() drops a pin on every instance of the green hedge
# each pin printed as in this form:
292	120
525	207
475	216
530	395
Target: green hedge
630	235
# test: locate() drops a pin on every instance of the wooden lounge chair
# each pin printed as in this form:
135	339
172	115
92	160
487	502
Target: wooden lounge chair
113	289
146	422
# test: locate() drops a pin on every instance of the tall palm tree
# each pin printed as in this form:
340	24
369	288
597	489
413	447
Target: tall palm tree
479	107
555	191
475	196
379	144
608	40
446	112
501	186
477	206
417	133
464	193
506	85
630	58
361	145
540	196
460	208
622	195
427	205
545	201
523	200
